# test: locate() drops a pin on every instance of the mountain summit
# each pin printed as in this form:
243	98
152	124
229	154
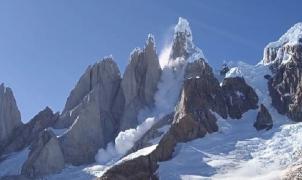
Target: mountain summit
177	121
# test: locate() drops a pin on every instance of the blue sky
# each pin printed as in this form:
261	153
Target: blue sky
45	46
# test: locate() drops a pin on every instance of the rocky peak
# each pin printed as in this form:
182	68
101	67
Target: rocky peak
45	156
103	75
282	50
286	64
23	135
240	97
99	73
95	119
183	46
10	117
150	42
139	82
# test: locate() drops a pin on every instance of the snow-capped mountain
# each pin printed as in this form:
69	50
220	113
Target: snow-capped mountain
166	117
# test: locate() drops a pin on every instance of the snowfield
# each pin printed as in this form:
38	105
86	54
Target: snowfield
237	150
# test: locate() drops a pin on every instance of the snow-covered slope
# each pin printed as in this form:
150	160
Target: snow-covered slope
238	151
277	50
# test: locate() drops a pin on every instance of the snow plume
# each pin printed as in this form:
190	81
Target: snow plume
165	98
123	143
164	56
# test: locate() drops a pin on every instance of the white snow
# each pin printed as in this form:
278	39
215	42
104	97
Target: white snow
12	164
142	152
165	98
123	143
292	37
238	151
183	26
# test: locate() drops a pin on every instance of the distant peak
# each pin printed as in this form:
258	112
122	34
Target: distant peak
292	36
183	27
150	39
183	46
274	51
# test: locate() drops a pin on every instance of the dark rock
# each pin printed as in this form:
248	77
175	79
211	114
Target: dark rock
267	76
45	156
201	84
264	119
224	70
152	133
140	168
139	82
285	85
182	45
23	135
192	120
239	96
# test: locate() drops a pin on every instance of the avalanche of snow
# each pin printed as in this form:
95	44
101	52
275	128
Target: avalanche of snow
237	150
165	98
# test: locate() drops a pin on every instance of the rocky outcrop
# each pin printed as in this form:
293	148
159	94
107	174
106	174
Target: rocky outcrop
104	78
10	117
182	45
192	120
285	59
155	132
23	135
45	156
264	119
210	93
97	116
139	82
293	172
240	97
285	85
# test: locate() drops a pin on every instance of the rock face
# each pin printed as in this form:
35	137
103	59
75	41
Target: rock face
96	117
279	51
182	46
45	156
192	120
210	93
285	59
153	132
104	78
10	117
293	172
201	94
239	96
285	85
24	134
139	82
264	119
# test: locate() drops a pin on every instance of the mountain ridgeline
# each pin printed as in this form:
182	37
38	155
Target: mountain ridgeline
104	104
